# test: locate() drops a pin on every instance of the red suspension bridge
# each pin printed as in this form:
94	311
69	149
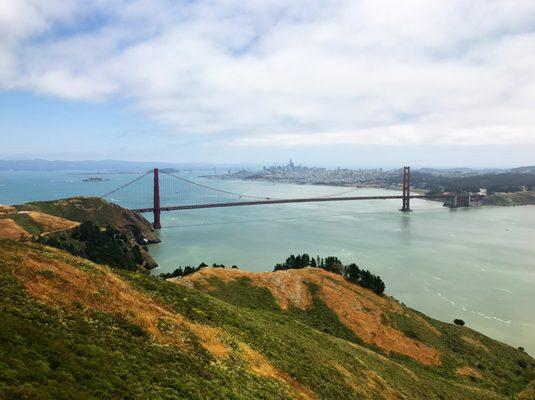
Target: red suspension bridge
170	192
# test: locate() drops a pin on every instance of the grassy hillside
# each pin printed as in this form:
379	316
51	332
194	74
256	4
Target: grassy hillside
101	212
86	226
15	223
329	303
74	329
511	199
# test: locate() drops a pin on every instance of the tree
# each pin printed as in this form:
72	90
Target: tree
352	273
459	322
333	264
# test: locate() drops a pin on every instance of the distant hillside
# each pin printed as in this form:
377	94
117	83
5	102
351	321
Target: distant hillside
74	329
524	170
15	223
85	226
101	212
511	199
494	183
100	165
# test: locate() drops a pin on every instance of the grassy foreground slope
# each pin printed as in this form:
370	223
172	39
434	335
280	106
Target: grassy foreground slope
72	329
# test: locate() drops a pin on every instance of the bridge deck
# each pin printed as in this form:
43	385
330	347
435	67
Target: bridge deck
282	201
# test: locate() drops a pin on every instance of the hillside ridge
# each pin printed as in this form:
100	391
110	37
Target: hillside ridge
75	329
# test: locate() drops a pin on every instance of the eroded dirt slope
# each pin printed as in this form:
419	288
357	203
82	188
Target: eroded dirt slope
365	313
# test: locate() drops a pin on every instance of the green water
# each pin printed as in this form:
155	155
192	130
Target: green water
477	264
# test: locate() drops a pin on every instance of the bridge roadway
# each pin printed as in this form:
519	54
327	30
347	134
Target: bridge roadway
283	201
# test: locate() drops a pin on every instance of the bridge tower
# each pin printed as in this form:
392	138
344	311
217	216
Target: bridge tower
406	190
156	203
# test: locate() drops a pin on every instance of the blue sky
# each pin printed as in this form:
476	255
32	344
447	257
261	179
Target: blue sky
340	82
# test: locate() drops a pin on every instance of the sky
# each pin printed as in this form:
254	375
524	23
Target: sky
341	82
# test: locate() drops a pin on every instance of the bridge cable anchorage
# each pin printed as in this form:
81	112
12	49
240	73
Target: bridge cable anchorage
218	190
126	184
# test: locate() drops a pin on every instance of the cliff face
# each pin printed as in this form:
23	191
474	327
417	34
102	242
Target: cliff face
74	329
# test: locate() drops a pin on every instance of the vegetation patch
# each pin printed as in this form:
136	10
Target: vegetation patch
25	222
100	212
107	246
325	301
9	229
74	329
351	272
49	223
470	372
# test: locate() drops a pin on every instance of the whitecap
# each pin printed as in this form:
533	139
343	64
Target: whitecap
491	317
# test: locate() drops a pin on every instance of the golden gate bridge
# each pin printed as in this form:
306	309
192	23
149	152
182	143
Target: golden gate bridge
160	190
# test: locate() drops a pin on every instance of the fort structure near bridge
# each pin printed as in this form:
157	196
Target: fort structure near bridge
221	198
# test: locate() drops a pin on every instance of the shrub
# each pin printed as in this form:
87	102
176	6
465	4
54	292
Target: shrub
332	264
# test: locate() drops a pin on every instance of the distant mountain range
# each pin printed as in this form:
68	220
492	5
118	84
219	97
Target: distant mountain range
475	171
135	166
524	170
102	165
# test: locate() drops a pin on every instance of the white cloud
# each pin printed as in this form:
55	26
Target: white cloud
294	73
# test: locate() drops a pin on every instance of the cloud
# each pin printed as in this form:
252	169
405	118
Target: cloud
292	73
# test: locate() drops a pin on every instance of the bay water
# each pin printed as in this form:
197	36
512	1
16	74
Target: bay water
476	264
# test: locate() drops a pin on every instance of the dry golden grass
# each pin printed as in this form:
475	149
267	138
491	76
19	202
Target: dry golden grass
211	339
359	309
469	371
288	287
260	366
528	393
54	281
77	289
380	386
475	342
50	223
7	209
9	229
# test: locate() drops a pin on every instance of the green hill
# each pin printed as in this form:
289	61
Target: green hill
99	211
72	329
88	227
511	199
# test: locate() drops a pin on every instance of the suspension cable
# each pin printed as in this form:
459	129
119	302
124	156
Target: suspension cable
218	190
126	184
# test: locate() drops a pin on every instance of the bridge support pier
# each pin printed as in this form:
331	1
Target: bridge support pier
156	201
406	202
